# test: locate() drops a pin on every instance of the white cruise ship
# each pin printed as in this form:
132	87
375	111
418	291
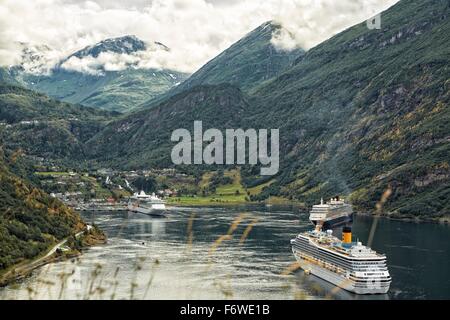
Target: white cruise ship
346	264
331	214
146	204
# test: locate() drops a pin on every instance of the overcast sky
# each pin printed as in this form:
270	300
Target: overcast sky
195	30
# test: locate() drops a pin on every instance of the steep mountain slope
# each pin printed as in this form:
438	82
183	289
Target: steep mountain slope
142	139
45	127
115	91
125	45
97	86
365	111
246	64
5	77
30	220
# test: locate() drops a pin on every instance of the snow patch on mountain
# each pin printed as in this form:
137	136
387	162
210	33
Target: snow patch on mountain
115	54
121	45
112	61
36	59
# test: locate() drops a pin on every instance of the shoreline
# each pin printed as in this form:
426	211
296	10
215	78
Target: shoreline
20	272
17	276
23	270
199	202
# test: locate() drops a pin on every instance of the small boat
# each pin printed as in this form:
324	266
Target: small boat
147	204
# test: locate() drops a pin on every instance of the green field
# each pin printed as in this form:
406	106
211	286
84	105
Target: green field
234	189
233	193
227	194
206	201
258	189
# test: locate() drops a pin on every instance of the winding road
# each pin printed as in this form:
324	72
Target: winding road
36	263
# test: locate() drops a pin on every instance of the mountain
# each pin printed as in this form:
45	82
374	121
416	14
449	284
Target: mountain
123	45
368	111
120	91
35	59
84	78
5	77
30	220
44	127
143	138
364	112
246	64
33	125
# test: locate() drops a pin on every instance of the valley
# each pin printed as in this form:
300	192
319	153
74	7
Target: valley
355	117
32	222
363	113
197	147
121	88
112	188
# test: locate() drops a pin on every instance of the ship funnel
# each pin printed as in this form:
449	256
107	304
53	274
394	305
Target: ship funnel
347	235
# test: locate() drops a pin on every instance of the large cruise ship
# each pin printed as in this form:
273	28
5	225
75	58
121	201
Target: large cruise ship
331	214
346	264
146	204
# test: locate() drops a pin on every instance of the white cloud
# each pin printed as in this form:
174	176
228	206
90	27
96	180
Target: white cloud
195	30
309	22
155	57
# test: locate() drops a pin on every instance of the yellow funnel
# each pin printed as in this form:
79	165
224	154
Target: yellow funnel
347	235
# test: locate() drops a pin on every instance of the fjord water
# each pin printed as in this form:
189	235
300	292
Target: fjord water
158	258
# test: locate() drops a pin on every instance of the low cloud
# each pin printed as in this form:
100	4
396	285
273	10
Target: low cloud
158	58
194	30
307	23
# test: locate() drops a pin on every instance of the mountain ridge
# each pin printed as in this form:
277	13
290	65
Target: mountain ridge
364	112
359	114
30	220
118	90
42	126
376	89
125	45
138	139
246	63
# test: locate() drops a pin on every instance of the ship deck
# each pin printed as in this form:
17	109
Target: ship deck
332	243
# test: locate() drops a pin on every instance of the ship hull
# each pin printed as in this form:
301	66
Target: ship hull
337	279
147	211
336	222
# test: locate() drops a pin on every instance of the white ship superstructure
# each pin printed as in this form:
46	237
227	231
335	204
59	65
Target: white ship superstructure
331	214
146	204
348	265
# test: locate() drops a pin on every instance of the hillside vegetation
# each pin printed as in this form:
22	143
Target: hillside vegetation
30	220
143	138
368	110
120	91
99	87
45	127
365	111
246	64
